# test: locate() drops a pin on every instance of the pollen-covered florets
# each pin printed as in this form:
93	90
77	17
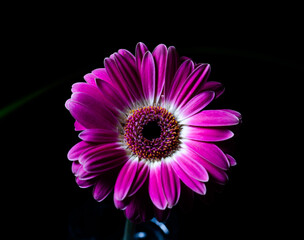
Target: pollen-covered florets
156	148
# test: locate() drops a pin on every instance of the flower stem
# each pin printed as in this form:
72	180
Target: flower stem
129	230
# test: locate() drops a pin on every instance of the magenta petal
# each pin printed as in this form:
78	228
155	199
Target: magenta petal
195	185
216	87
184	58
231	160
103	157
95	92
121	204
196	104
140	178
103	187
77	149
99	166
88	117
210	152
85	183
156	191
66	104
125	179
90	112
160	57
161	215
131	210
212	118
148	77
140	51
84	175
91	90
75	167
206	134
110	95
139	208
190	166
117	79
172	66
179	80
216	173
126	65
136	210
196	79
219	175
98	135
129	56
90	78
171	184
235	113
78	126
98	149
102	74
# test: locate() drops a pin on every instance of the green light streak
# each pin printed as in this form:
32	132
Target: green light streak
20	102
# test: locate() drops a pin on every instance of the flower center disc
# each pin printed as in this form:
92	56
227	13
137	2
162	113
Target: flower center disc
151	133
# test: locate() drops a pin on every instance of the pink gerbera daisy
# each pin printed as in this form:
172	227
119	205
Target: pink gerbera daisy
145	133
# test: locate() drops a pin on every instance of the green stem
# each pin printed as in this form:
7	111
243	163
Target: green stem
129	230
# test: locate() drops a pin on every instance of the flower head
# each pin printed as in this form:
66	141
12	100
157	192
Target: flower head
145	132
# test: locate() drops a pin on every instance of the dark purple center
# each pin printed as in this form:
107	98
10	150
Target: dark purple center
151	130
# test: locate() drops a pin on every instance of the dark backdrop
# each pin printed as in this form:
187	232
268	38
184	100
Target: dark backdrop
259	62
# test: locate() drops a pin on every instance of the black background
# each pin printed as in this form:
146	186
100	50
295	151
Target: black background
257	56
